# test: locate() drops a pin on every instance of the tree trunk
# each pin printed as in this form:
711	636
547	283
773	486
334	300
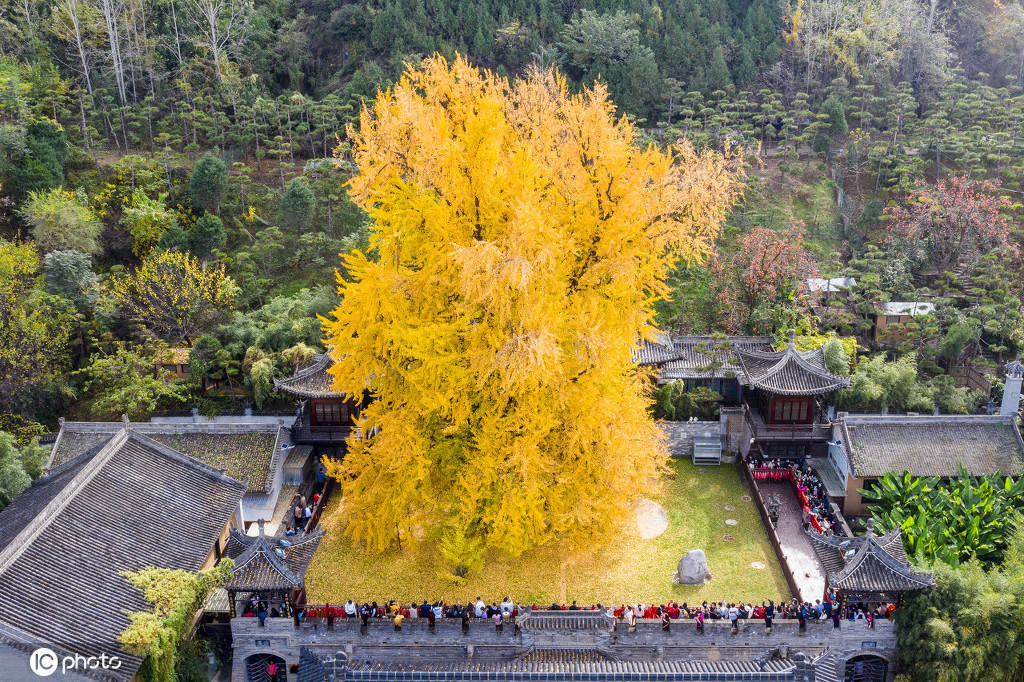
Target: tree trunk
933	5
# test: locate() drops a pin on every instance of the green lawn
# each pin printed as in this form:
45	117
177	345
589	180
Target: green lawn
632	569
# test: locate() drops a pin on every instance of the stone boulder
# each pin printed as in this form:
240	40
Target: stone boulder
693	568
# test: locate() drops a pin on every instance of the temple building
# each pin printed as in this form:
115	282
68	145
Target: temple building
269	569
868	570
249	449
863	448
124	504
771	399
326	417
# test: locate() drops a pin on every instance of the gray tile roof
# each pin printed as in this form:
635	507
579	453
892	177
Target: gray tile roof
931	445
134	503
312	381
246	451
311	668
259	564
563	663
868	563
789	371
30	503
698	357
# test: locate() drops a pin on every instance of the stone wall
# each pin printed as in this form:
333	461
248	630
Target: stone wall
416	642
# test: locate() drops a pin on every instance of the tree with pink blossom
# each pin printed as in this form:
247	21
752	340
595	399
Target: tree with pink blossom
760	287
957	219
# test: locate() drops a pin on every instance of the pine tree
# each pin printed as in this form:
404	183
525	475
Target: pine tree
297	206
208	183
717	76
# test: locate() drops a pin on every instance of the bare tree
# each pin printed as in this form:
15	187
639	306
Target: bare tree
219	25
72	22
113	14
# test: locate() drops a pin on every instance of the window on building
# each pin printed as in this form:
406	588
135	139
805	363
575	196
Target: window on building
788	411
330	412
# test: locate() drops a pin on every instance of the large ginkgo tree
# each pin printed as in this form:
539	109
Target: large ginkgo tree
522	235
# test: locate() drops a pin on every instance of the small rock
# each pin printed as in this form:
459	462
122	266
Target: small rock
728	507
746	498
757	564
732	522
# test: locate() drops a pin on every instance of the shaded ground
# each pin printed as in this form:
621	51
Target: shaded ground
795	546
633	569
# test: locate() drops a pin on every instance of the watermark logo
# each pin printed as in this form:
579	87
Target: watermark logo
44	662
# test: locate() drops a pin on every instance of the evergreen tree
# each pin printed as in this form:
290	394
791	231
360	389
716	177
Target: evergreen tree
297	206
208	183
717	76
69	274
206	235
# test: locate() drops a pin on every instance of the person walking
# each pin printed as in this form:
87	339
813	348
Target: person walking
769	614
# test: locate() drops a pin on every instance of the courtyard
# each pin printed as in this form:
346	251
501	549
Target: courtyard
698	502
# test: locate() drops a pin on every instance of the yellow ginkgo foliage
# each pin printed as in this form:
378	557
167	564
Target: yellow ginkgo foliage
522	237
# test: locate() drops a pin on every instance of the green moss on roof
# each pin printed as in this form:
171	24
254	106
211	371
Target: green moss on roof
244	456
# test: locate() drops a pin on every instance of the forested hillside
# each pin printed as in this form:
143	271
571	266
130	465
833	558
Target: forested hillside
172	176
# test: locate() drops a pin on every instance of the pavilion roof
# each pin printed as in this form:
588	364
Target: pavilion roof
129	504
264	562
697	357
789	371
312	381
868	563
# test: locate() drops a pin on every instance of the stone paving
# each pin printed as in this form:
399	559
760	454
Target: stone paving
800	556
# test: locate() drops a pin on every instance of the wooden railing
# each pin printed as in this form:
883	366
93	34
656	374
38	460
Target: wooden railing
304	432
821	429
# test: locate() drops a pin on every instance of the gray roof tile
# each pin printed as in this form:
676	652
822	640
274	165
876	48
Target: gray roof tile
247	452
867	563
931	445
132	504
312	381
698	357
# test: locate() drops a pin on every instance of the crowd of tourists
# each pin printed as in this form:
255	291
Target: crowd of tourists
826	609
810	491
507	611
500	613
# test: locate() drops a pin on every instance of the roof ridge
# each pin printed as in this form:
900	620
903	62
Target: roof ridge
64	466
261	547
38	524
320	362
929	418
195	464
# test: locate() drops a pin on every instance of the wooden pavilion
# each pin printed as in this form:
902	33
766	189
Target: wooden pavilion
867	569
270	569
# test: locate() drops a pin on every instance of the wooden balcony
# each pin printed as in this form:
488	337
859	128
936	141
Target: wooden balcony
305	433
819	431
